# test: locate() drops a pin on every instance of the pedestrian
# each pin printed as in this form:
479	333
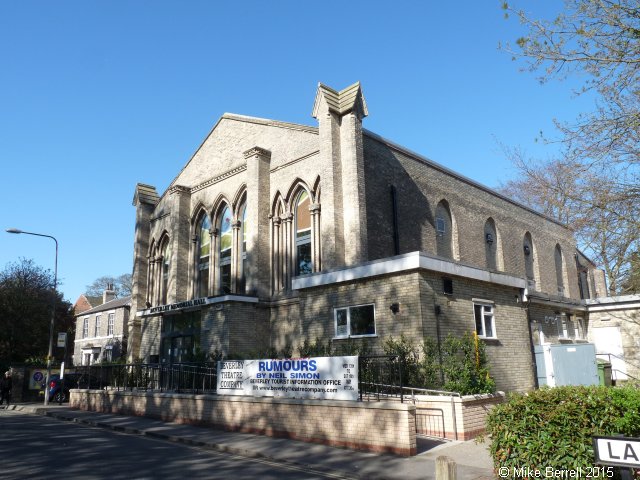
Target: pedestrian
5	388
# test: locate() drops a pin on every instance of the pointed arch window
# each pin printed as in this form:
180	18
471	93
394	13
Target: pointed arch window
224	252
204	250
303	260
165	270
243	254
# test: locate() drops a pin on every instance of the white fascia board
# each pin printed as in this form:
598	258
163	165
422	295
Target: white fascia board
404	263
612	307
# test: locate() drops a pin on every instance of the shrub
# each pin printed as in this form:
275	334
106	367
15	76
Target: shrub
553	427
465	365
464	368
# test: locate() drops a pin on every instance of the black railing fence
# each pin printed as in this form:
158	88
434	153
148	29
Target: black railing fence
380	376
178	377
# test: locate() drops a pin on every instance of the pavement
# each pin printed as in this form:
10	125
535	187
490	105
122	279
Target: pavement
473	461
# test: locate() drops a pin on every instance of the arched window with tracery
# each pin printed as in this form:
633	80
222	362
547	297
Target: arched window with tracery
303	256
225	243
203	256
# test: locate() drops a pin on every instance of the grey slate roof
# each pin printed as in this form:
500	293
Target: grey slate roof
113	304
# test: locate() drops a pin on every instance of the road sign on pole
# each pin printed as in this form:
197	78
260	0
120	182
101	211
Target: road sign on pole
62	339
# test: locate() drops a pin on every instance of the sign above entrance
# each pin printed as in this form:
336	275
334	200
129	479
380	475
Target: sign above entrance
326	378
194	303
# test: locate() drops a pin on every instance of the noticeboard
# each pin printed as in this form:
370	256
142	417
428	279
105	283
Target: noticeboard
327	378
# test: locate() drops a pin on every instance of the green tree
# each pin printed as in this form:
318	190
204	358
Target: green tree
26	300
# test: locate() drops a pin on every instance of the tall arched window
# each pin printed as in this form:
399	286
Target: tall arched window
491	244
444	230
204	250
165	270
303	235
527	248
243	254
559	269
224	252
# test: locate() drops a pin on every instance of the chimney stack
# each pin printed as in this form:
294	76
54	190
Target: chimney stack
109	294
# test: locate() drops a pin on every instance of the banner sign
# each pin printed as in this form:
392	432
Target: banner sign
326	378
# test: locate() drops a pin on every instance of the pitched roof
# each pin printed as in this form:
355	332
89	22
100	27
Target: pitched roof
111	305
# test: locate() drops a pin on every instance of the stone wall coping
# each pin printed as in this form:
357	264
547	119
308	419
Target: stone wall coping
465	399
268	400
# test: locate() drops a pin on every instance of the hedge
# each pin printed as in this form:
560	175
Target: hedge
553	427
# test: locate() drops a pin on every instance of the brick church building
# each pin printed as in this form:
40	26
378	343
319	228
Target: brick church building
274	233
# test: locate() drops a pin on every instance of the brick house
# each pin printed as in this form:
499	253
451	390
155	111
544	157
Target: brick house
274	233
101	331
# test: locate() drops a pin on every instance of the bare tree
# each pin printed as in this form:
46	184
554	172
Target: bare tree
121	285
598	40
586	200
595	185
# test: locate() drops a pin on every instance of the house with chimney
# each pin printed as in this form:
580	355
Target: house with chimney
276	233
101	331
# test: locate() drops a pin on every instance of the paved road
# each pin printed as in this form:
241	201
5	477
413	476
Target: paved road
37	447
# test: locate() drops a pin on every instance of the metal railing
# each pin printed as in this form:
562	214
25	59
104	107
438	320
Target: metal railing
380	376
177	377
617	371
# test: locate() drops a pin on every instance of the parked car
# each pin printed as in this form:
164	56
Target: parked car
59	387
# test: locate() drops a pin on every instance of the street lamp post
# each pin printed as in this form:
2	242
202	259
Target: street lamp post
53	309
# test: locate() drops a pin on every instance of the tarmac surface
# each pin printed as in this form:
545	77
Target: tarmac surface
473	461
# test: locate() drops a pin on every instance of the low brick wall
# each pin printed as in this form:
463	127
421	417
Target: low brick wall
435	415
371	426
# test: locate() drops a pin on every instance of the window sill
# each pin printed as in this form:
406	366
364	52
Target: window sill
490	340
374	335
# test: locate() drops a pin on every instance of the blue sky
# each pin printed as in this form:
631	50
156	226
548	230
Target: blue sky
96	96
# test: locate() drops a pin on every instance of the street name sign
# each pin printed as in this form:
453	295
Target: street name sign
617	451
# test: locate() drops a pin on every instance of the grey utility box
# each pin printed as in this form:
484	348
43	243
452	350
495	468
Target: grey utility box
566	364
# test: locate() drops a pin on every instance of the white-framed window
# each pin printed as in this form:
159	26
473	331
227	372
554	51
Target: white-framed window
485	324
355	321
96	330
110	323
85	327
107	354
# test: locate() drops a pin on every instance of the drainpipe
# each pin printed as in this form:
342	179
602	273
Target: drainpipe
531	345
